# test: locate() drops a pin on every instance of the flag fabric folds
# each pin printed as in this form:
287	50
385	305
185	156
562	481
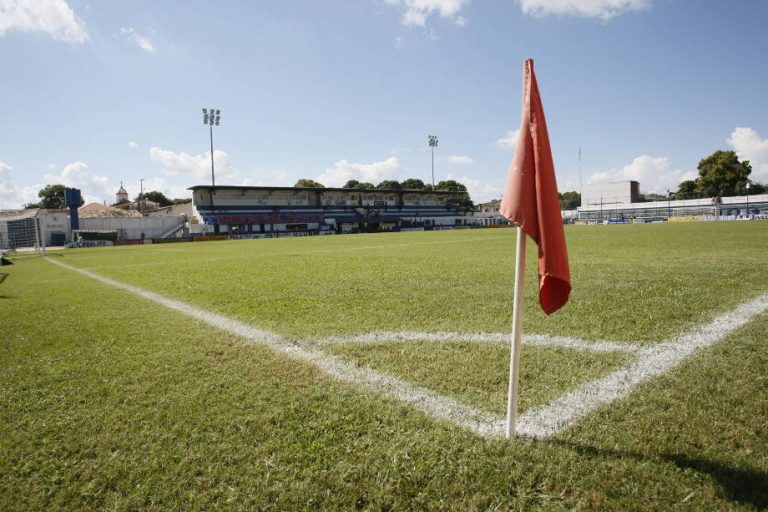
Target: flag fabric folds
531	201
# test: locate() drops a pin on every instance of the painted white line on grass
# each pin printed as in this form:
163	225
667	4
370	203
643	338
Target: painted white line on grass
539	422
427	401
652	362
479	337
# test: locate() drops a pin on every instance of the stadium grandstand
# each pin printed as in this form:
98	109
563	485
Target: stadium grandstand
265	211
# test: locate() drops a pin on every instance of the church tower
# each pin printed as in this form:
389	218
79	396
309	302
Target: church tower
122	195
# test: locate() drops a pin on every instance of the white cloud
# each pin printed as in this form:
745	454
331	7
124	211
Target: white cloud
132	144
462	160
275	178
197	167
417	11
130	34
53	17
750	146
655	174
375	172
479	191
508	141
95	189
158	184
603	9
12	196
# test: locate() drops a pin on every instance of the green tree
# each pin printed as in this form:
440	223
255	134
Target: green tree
686	190
184	200
461	201
452	185
307	183
352	184
52	196
389	185
570	200
367	185
156	197
754	188
412	184
721	173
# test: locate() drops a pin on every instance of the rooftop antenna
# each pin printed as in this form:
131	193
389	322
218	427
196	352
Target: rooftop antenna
579	171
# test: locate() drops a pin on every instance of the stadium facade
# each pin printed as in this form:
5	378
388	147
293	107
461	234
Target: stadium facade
264	211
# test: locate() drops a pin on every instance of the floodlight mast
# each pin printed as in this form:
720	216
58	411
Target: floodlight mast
212	117
433	144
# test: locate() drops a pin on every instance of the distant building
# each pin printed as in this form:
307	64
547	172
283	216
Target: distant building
610	194
621	202
487	214
124	202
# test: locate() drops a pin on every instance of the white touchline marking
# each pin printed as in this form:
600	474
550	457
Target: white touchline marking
422	399
540	422
479	337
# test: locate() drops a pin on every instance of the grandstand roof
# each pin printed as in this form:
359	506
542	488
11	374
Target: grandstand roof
325	189
28	213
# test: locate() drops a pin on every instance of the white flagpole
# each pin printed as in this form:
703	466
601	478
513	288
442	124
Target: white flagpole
517	327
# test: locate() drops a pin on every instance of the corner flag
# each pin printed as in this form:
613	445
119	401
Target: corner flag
530	200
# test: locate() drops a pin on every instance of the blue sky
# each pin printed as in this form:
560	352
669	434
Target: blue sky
99	92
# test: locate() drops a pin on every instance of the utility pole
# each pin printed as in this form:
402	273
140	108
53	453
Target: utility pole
141	194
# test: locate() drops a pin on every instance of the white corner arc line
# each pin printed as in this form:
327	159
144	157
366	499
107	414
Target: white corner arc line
479	337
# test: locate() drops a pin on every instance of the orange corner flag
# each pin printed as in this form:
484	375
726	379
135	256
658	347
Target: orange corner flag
531	201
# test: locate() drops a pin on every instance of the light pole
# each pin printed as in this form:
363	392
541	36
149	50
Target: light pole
748	199
212	117
141	193
433	144
669	207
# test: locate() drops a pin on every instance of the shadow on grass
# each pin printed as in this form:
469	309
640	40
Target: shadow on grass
746	485
3	275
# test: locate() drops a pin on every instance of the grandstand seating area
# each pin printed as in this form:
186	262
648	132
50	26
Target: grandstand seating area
281	209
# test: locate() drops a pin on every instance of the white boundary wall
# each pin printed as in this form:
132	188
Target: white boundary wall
133	227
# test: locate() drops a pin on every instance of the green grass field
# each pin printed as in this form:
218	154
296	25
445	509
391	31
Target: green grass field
110	401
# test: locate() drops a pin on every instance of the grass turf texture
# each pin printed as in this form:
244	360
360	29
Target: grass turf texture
478	374
108	401
640	283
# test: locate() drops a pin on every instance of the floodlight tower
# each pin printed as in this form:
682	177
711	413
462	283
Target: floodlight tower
433	144
212	117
